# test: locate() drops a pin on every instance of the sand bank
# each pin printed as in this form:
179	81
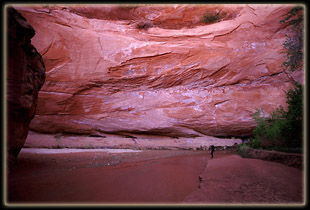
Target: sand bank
151	177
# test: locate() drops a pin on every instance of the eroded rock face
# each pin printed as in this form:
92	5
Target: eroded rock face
106	75
25	77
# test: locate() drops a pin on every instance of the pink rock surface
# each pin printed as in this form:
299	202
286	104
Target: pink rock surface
177	77
143	142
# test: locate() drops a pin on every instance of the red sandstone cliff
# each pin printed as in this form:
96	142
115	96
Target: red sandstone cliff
158	69
25	77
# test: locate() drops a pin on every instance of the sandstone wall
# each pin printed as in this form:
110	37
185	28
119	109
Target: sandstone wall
25	76
177	77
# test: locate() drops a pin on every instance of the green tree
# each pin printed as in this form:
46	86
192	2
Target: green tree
293	45
294	49
284	127
293	128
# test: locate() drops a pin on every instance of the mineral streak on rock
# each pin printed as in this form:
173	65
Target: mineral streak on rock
176	77
25	77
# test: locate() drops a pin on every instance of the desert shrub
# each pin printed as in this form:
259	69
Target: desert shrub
282	128
293	127
255	144
243	150
294	50
144	25
212	17
58	137
89	146
268	132
293	44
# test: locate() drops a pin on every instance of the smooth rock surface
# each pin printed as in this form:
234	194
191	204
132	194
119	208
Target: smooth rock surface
142	142
171	75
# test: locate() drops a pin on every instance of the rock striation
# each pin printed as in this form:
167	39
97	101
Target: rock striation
25	77
158	69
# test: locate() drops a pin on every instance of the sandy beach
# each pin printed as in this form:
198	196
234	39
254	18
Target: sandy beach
61	176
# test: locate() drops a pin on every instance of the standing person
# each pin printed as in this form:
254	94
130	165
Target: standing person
212	150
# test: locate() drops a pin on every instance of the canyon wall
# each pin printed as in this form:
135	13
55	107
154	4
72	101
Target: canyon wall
25	77
158	69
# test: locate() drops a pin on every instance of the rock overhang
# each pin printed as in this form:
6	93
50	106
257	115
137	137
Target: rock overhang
106	75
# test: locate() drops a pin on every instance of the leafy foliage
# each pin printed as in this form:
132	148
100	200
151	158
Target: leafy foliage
268	132
212	17
294	116
282	128
255	144
294	39
243	150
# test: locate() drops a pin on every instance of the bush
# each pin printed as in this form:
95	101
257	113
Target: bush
255	144
293	127
212	17
243	150
293	44
144	25
282	128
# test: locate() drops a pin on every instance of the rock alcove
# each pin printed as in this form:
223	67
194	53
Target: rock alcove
157	70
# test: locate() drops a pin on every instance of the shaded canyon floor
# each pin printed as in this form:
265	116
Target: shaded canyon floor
122	176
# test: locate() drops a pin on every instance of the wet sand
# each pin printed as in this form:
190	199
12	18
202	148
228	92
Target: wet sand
147	176
150	177
235	180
